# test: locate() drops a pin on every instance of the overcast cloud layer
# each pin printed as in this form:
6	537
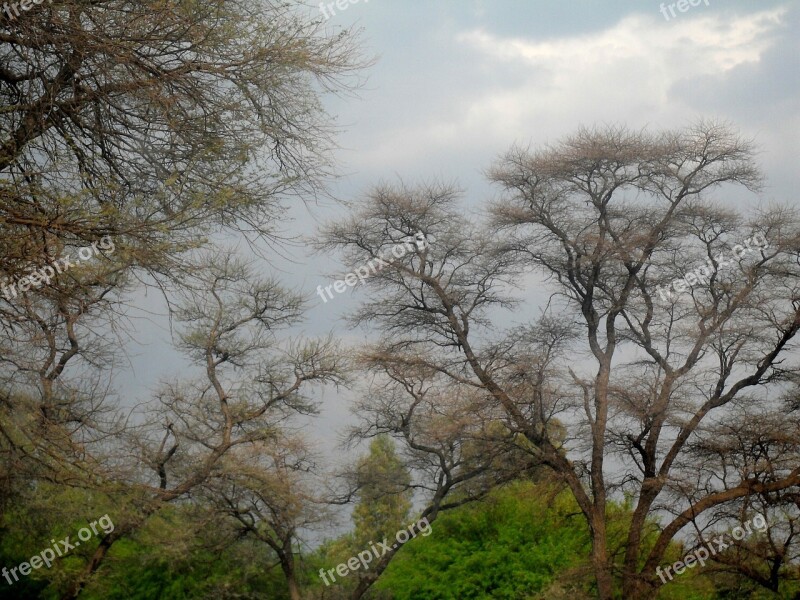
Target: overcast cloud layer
457	83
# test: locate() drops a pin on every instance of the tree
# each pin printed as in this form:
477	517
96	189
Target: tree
768	557
267	491
384	498
610	216
154	125
159	121
159	126
251	385
523	540
451	440
52	421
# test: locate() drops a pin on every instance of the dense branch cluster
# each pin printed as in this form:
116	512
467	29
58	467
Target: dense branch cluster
607	216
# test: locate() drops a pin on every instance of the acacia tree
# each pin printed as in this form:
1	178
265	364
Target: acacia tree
53	421
610	217
160	120
451	440
159	125
227	426
270	493
762	443
154	123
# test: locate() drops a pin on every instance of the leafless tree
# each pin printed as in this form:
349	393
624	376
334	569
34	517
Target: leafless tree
252	384
159	125
451	438
159	122
271	493
750	443
156	124
57	410
607	216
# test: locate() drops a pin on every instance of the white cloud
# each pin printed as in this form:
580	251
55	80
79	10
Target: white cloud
627	70
623	73
722	43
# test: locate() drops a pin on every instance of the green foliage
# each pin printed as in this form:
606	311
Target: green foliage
170	558
515	544
384	497
43	514
141	572
526	541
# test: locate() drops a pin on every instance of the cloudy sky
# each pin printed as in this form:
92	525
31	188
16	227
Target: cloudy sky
456	83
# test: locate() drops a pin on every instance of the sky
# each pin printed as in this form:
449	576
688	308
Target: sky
456	83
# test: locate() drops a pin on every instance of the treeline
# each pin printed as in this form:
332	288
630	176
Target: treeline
525	540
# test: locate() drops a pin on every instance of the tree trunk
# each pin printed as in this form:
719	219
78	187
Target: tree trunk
97	559
294	590
636	587
605	582
361	588
287	564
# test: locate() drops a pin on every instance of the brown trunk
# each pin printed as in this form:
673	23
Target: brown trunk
636	587
602	571
287	565
97	559
294	590
361	588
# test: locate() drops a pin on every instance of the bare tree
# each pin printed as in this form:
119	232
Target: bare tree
159	125
159	122
750	444
452	439
610	217
154	125
252	383
270	493
57	411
